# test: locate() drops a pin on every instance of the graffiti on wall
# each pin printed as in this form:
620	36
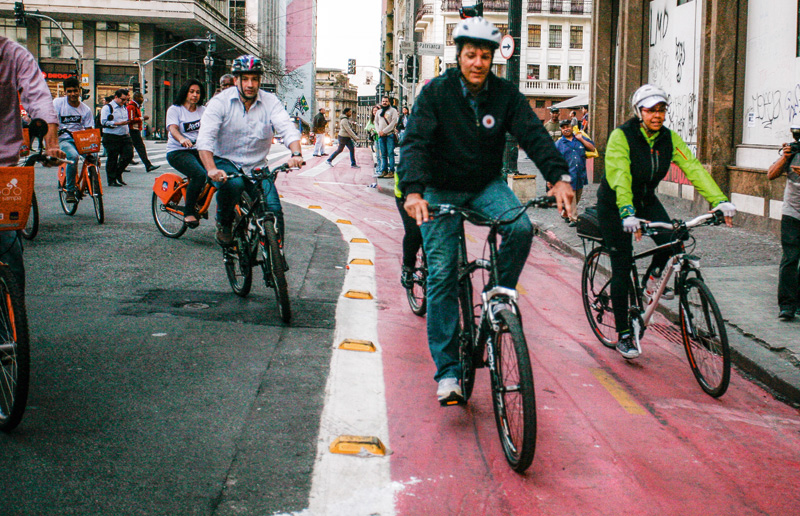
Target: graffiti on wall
774	107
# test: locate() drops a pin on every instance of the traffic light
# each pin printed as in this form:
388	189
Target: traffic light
212	43
136	85
84	93
144	91
412	68
437	66
19	14
351	66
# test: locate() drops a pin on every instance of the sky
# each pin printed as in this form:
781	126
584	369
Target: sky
349	29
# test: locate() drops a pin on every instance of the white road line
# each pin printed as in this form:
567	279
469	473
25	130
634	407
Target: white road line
355	402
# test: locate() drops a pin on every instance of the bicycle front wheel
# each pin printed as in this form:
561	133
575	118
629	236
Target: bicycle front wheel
169	217
705	338
238	266
274	273
466	336
97	194
69	208
513	395
14	352
596	293
417	293
32	227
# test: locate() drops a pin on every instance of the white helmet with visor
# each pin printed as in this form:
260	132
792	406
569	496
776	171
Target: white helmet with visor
647	96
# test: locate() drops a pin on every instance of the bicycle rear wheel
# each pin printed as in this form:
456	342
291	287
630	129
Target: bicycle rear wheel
596	293
417	293
513	394
169	217
14	352
705	338
32	227
274	274
97	194
238	266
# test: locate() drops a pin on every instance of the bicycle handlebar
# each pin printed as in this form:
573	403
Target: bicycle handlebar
480	219
714	218
263	173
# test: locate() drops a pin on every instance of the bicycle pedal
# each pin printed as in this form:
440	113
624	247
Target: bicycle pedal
453	399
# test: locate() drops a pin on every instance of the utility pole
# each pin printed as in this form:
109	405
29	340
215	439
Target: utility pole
512	74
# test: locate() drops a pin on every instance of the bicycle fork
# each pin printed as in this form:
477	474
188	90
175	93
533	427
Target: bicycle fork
494	300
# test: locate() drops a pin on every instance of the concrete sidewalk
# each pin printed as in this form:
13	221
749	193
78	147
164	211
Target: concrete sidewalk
739	264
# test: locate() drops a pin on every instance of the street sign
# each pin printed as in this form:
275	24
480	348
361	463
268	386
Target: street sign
507	47
430	49
407	47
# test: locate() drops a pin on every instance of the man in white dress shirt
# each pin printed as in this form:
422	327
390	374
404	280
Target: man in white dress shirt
236	134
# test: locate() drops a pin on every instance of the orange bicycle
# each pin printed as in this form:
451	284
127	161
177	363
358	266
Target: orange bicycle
87	176
169	203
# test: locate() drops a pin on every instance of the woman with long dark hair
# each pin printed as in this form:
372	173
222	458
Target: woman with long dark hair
183	125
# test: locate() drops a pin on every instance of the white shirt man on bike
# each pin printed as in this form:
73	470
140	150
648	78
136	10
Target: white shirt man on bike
453	153
638	156
73	115
236	134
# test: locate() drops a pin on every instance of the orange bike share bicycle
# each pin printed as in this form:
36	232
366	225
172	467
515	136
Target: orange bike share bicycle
169	203
87	175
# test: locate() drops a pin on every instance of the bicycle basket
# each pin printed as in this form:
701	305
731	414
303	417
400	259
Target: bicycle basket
16	194
588	224
87	141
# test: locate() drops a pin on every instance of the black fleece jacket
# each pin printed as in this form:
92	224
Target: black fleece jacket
446	146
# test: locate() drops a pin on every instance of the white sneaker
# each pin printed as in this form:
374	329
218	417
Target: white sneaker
449	392
329	163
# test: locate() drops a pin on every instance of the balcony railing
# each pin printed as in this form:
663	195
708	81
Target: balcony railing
425	9
560	6
543	86
488	5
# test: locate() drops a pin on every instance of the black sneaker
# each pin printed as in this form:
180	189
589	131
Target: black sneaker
785	315
224	235
626	347
407	277
70	198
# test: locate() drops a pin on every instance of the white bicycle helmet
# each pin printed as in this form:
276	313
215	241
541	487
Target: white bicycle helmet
477	28
646	97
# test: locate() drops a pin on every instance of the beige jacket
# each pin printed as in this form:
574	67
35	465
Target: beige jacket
345	129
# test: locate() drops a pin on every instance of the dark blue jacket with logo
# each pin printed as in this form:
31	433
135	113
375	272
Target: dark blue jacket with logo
447	146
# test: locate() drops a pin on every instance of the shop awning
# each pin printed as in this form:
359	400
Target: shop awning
574	102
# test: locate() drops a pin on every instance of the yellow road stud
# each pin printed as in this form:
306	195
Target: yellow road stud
356	444
361	261
357	345
314	207
359	241
358	294
342	221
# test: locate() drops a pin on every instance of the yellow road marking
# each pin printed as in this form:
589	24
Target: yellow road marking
521	290
619	393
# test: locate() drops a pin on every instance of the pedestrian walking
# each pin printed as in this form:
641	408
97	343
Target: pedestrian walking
789	273
116	137
574	119
574	146
134	108
346	138
553	126
386	125
320	123
585	119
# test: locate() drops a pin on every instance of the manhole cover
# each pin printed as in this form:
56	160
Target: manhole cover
196	306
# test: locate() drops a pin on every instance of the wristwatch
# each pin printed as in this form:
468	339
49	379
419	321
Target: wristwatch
566	178
296	154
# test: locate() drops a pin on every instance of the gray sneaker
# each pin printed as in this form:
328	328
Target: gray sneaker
627	348
449	392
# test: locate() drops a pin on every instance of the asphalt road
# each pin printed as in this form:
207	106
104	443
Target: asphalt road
156	390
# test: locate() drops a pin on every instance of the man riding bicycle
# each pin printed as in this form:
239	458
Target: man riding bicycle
73	115
236	134
452	152
638	157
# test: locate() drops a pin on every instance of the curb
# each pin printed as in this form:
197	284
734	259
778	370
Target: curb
773	372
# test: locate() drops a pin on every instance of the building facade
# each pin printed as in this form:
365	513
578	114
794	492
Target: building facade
555	42
334	93
110	40
732	71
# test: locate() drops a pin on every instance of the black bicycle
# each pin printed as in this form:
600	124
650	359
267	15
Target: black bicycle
256	242
417	292
494	338
702	328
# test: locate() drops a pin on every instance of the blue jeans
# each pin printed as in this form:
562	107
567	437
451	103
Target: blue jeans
68	146
441	242
11	255
386	144
187	162
230	191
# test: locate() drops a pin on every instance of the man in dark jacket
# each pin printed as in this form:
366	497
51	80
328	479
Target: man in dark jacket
452	152
319	122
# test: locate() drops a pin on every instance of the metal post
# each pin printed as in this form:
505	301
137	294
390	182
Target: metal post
512	74
415	65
